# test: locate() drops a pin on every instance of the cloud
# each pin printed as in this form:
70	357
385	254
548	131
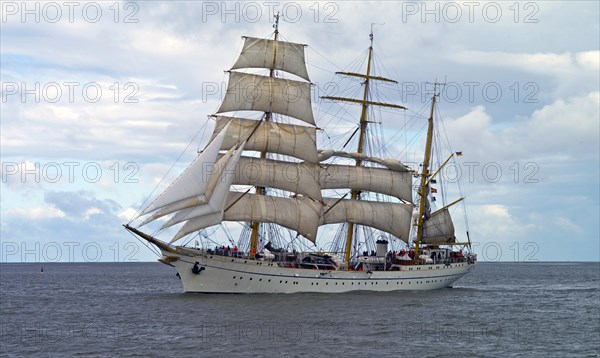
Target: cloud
567	225
565	129
36	213
80	204
547	63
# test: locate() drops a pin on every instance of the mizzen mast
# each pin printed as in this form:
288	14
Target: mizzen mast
425	173
365	102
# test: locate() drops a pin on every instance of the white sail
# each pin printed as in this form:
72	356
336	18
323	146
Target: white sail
391	164
379	180
300	214
259	53
438	228
301	178
288	139
393	218
220	177
199	223
180	205
210	213
193	181
248	92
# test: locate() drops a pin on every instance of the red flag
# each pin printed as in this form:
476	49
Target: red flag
433	190
458	154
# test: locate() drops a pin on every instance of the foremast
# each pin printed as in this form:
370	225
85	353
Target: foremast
260	190
365	103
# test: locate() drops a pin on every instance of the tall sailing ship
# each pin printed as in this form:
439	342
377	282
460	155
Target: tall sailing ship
265	172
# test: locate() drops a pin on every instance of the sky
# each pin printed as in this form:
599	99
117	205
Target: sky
100	99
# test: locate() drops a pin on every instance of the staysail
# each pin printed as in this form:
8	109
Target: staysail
211	213
193	181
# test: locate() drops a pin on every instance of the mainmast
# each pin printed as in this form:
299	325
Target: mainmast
263	154
365	102
361	140
425	173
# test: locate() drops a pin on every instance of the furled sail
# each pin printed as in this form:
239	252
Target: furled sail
248	92
379	180
259	53
193	181
393	218
300	214
288	139
210	213
391	164
438	228
301	178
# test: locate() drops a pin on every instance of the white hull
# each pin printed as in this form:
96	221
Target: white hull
225	274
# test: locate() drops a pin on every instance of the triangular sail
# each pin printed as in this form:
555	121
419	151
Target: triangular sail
193	181
211	213
220	177
260	53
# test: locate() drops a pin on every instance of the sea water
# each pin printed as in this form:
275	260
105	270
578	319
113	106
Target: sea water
140	310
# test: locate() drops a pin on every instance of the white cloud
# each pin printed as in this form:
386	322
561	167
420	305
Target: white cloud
497	211
128	214
90	212
547	63
36	213
568	225
589	59
566	127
